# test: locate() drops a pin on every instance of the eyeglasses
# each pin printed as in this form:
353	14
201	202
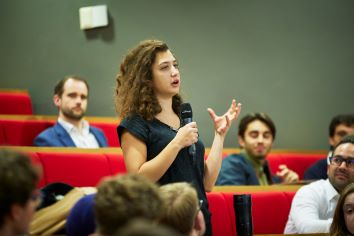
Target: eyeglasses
338	160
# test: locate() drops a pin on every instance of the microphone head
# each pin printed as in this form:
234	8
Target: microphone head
186	111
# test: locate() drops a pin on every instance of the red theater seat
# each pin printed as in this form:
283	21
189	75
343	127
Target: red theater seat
116	163
270	209
222	218
76	169
37	162
19	132
270	212
15	102
110	130
3	140
297	162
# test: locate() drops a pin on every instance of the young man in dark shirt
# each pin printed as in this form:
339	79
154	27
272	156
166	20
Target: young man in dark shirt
340	126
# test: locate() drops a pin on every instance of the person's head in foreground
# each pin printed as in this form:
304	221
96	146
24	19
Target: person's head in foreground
18	194
182	209
122	198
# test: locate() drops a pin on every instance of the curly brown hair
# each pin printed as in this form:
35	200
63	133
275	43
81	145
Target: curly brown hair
134	93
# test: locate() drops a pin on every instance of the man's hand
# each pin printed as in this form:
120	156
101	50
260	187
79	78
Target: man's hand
287	175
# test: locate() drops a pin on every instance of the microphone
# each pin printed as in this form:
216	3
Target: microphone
186	116
243	210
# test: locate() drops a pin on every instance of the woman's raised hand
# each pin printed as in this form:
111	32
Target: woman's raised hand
223	123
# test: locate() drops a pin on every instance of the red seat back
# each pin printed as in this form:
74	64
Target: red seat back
22	130
76	169
110	130
37	162
270	212
297	162
116	163
18	132
221	217
15	103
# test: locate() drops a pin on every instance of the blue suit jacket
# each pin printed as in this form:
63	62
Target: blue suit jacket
236	170
316	171
57	136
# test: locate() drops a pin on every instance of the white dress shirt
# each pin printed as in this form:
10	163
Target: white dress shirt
312	208
83	138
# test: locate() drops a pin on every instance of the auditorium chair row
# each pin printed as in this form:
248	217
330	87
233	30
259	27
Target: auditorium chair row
20	130
75	166
82	167
15	101
296	160
270	211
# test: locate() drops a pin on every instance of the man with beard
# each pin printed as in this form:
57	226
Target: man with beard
340	126
71	130
313	206
256	134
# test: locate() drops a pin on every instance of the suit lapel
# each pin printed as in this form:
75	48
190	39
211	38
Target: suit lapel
63	136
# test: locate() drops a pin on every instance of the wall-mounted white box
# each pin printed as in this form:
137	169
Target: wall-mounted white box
93	17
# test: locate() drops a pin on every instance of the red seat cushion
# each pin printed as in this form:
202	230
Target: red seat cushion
229	198
110	130
15	103
37	162
22	132
222	222
76	169
270	212
297	162
116	163
3	140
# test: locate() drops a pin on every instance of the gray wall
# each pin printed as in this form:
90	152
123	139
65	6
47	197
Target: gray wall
291	59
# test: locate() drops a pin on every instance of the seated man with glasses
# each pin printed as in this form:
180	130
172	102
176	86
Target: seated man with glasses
313	205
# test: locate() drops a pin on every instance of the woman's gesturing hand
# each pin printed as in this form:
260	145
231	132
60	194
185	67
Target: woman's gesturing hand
223	123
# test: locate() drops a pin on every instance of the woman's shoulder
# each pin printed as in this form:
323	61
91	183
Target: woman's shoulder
133	118
135	122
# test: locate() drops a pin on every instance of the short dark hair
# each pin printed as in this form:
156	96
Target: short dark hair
18	180
346	139
263	117
346	119
59	88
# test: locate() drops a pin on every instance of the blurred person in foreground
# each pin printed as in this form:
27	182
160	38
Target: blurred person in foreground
18	194
181	209
122	198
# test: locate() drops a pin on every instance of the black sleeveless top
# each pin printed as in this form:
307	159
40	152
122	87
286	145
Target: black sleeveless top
157	135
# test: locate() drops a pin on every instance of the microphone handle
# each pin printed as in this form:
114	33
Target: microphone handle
191	148
192	151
